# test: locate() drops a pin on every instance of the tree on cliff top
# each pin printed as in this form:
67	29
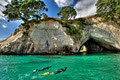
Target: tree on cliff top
67	12
109	8
25	10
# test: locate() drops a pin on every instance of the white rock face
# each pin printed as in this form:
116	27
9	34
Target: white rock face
44	37
12	38
49	36
104	33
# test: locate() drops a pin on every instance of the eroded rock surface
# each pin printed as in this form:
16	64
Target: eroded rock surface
50	37
46	37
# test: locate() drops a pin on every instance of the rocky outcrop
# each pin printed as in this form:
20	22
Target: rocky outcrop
105	33
45	37
50	37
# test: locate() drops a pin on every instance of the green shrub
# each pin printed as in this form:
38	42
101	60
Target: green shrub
74	31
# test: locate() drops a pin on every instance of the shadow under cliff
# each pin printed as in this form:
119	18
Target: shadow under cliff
94	47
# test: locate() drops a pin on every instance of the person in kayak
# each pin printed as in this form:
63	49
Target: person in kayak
56	72
41	69
61	70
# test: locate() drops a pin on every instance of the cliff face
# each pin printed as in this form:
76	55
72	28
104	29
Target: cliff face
51	37
105	33
44	37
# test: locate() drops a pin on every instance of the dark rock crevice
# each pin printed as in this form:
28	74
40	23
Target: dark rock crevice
94	47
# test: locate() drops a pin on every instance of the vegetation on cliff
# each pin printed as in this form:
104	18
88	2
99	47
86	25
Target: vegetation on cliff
33	10
67	12
109	9
74	28
25	10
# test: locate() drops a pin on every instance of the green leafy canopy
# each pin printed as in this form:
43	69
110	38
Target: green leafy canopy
67	12
109	8
25	10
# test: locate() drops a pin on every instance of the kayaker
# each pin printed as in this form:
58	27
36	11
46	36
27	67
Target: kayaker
61	70
41	69
56	72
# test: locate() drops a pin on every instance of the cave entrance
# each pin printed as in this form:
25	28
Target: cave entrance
94	47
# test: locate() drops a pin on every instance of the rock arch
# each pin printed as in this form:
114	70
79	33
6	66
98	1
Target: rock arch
94	47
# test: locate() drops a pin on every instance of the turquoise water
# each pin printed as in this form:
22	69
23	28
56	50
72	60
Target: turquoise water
82	67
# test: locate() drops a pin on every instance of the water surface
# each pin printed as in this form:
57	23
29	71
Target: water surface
82	67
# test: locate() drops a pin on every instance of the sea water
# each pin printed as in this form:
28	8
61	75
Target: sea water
80	67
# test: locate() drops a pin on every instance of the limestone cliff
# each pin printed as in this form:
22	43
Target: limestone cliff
105	33
53	37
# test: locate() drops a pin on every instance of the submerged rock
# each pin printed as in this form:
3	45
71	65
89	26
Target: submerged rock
51	37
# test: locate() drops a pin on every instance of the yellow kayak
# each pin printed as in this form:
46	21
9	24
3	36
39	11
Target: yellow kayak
46	73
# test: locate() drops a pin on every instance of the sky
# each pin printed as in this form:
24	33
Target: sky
83	8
